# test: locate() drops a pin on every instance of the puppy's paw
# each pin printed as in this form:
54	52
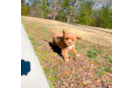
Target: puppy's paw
77	55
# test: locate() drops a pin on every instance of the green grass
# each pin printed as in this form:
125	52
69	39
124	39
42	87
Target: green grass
36	43
97	51
31	38
107	57
33	24
46	70
45	38
70	53
45	30
91	54
101	70
78	49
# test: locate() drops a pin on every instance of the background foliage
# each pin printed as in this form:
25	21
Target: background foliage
86	12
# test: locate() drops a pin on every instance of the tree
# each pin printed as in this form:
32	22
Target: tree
104	18
71	11
24	8
35	9
45	5
69	7
85	11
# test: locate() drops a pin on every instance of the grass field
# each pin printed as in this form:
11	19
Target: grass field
93	69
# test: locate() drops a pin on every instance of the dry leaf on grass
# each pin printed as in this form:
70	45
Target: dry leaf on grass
64	72
55	64
81	67
109	74
86	85
108	78
69	72
60	63
96	83
91	74
98	80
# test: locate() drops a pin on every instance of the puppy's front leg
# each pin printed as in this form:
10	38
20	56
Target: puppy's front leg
74	52
65	54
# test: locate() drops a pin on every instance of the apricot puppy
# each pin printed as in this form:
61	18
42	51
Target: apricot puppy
66	41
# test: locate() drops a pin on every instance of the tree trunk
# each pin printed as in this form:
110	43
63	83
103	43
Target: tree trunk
68	18
54	17
94	5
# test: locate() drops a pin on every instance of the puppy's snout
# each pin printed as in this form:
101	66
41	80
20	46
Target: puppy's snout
69	42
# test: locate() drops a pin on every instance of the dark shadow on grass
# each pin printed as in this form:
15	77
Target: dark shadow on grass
25	67
55	48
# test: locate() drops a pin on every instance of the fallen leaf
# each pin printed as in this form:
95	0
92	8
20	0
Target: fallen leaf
108	78
98	80
64	72
96	83
55	64
80	67
86	84
60	63
70	63
109	74
68	72
91	73
83	67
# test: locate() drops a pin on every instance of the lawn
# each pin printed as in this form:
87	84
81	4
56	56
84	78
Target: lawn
93	69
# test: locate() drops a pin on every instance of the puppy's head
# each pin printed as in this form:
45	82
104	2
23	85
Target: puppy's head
70	38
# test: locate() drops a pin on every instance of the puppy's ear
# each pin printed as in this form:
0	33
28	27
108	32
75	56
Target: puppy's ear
64	31
78	37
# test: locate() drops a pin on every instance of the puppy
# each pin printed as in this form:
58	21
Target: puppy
66	41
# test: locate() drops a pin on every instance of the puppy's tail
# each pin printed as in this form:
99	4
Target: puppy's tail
52	31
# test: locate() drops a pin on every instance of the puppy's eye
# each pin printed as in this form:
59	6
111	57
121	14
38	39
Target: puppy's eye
66	38
72	40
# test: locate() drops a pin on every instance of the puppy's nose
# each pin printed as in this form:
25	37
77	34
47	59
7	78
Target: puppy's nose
68	42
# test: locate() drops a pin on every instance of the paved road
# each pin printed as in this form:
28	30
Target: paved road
32	75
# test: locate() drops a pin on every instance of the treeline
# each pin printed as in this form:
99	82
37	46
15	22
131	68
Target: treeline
86	12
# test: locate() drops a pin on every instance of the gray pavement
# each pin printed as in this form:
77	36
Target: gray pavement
32	75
